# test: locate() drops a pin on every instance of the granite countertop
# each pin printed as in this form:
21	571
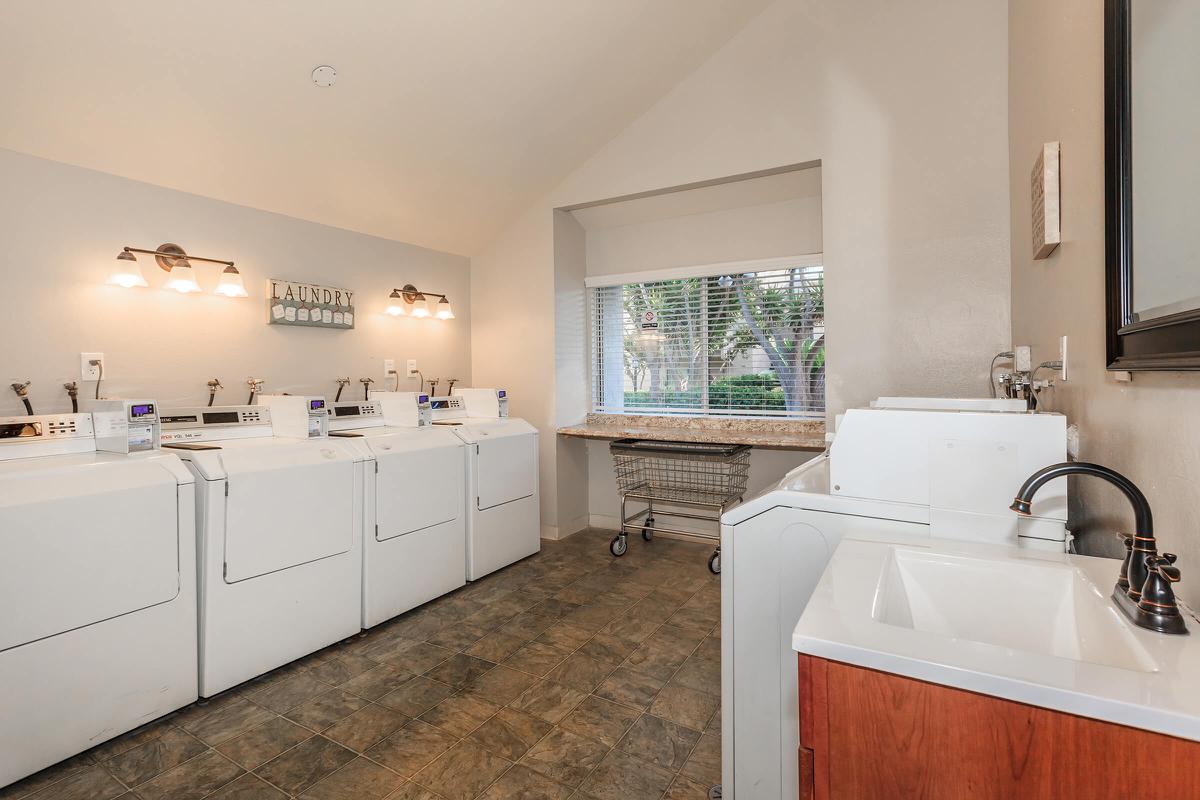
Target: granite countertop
778	434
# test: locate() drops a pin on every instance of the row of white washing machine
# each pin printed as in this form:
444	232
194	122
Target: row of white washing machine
136	578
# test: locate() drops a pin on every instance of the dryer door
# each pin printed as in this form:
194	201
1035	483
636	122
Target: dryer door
288	504
83	540
505	466
419	482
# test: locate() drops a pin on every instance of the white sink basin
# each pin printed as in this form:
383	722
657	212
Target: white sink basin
1050	609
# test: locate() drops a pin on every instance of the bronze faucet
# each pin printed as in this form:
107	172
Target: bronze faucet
1143	591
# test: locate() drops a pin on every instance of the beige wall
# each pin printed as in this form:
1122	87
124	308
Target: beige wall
1147	429
904	105
62	226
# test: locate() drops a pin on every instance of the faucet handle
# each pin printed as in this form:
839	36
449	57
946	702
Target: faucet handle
1163	565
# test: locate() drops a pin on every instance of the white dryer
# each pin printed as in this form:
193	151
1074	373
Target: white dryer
900	471
98	588
414	541
503	519
279	527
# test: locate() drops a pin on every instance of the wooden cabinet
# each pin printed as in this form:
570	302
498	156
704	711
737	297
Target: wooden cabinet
868	734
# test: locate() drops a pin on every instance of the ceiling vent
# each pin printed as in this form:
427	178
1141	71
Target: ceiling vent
324	76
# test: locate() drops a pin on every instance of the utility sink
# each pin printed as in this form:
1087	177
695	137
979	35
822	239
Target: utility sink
1046	608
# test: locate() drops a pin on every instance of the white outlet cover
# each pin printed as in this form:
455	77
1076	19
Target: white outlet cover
412	366
86	370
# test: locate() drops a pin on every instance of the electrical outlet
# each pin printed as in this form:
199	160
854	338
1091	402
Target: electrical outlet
412	367
90	371
1022	358
389	368
1062	356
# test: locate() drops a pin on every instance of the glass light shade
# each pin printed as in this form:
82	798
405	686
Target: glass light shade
395	306
127	273
231	284
444	311
183	278
420	307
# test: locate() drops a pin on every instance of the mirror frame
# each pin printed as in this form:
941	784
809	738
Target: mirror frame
1170	342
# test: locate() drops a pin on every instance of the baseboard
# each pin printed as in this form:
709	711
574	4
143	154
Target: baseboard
612	522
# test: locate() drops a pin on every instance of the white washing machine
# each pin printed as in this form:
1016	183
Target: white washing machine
414	541
98	587
900	471
279	528
503	519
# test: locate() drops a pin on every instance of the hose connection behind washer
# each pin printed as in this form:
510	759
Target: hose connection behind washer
22	390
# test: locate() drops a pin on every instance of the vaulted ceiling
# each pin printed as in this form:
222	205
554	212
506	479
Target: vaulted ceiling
448	116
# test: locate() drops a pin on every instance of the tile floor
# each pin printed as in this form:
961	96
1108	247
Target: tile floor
569	675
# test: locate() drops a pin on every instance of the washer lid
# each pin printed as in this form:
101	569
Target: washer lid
84	539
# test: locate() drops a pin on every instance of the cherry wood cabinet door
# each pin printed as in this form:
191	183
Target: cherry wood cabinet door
876	735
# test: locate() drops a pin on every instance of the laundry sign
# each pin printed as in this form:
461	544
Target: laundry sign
309	304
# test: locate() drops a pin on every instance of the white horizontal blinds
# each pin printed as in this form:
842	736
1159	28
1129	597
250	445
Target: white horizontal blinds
744	343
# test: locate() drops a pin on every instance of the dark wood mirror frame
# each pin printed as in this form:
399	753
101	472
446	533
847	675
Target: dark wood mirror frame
1164	343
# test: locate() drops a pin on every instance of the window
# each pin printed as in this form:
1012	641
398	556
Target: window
748	342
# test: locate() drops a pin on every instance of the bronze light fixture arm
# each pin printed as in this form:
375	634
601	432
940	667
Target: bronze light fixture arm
170	255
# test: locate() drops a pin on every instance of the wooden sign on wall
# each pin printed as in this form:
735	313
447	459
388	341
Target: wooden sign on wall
1044	196
309	304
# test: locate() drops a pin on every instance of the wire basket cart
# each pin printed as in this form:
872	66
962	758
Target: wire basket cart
695	480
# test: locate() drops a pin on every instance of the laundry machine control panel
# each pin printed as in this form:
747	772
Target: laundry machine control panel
126	426
298	416
46	434
210	423
345	415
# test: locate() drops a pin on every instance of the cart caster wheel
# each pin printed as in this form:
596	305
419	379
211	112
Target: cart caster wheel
714	793
714	563
648	529
618	545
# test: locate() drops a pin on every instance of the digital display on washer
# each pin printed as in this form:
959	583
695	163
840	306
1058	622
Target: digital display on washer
176	418
501	393
422	398
440	404
220	417
143	410
345	411
316	405
20	430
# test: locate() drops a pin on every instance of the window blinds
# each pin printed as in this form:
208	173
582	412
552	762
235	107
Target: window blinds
741	343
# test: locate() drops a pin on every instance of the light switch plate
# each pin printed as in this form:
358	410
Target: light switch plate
87	370
1062	356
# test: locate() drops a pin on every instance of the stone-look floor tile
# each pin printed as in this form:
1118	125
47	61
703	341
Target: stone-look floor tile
229	717
459	670
522	783
365	727
457	636
629	687
554	608
359	780
47	777
565	757
490	617
90	783
688	707
510	733
500	685
305	764
290	693
420	657
377	681
593	617
325	709
608	648
158	755
342	668
548	701
565	636
657	659
660	742
687	789
580	672
527	626
386	647
623	777
495	647
411	748
191	780
704	764
247	787
701	674
259	745
416	697
125	742
536	658
601	720
714	724
462	772
631	628
412	791
460	714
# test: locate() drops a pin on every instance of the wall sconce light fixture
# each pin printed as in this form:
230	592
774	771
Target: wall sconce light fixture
172	259
409	301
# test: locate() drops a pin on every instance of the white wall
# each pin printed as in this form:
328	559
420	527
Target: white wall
62	226
904	105
1147	429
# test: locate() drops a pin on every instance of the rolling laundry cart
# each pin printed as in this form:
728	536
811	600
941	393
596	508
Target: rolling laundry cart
693	480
